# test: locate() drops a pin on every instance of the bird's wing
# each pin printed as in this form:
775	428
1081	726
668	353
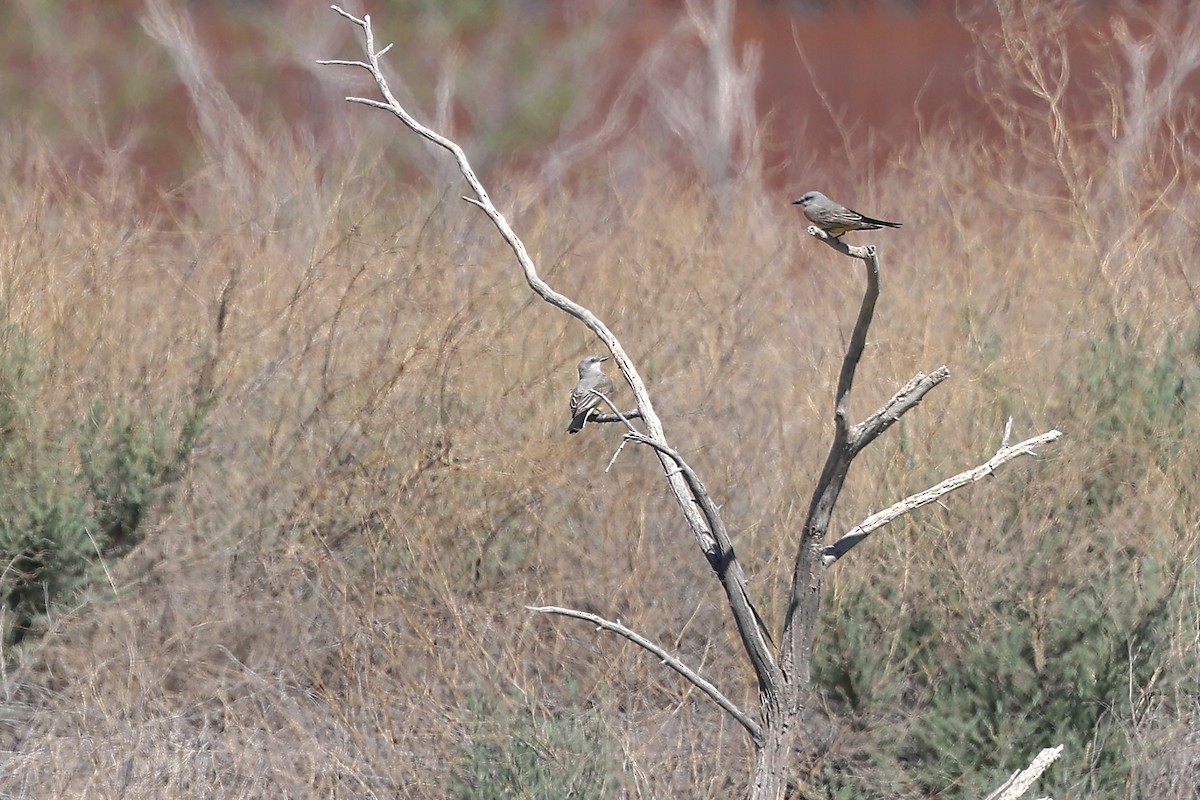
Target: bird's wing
578	398
833	217
584	398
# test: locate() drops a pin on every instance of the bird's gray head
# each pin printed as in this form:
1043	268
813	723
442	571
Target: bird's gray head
591	365
808	197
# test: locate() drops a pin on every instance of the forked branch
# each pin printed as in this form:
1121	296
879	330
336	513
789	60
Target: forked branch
814	557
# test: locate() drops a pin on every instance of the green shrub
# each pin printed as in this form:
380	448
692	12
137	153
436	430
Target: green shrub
950	699
1074	633
129	465
1061	672
517	749
1137	404
73	497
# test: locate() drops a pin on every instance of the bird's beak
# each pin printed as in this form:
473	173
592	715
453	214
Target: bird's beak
604	358
796	202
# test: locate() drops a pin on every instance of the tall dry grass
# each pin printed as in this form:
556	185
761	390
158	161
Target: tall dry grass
339	585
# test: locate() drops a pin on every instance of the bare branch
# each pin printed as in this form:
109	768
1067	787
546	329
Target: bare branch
616	454
858	339
876	521
366	101
804	601
671	661
863	252
731	574
618	416
539	286
723	561
337	62
902	401
1019	782
365	20
707	507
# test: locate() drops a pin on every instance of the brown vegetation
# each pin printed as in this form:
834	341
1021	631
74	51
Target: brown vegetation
331	604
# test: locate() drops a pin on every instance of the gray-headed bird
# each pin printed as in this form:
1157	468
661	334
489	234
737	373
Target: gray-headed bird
586	395
834	218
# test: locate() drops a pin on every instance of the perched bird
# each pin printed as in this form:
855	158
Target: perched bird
586	395
836	219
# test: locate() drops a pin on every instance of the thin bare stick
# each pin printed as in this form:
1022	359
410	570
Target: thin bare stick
618	415
616	454
1019	782
876	521
671	661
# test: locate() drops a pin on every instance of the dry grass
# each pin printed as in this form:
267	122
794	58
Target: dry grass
385	483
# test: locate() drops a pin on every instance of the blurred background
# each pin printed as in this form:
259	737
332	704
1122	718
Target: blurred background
282	451
797	81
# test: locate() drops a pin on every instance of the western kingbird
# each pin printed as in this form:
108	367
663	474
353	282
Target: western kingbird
836	219
586	395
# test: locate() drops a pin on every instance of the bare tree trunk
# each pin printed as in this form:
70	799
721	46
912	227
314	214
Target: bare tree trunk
773	758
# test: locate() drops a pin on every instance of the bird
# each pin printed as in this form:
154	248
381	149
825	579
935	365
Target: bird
587	393
834	218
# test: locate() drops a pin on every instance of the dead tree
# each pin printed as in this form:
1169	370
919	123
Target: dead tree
782	670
